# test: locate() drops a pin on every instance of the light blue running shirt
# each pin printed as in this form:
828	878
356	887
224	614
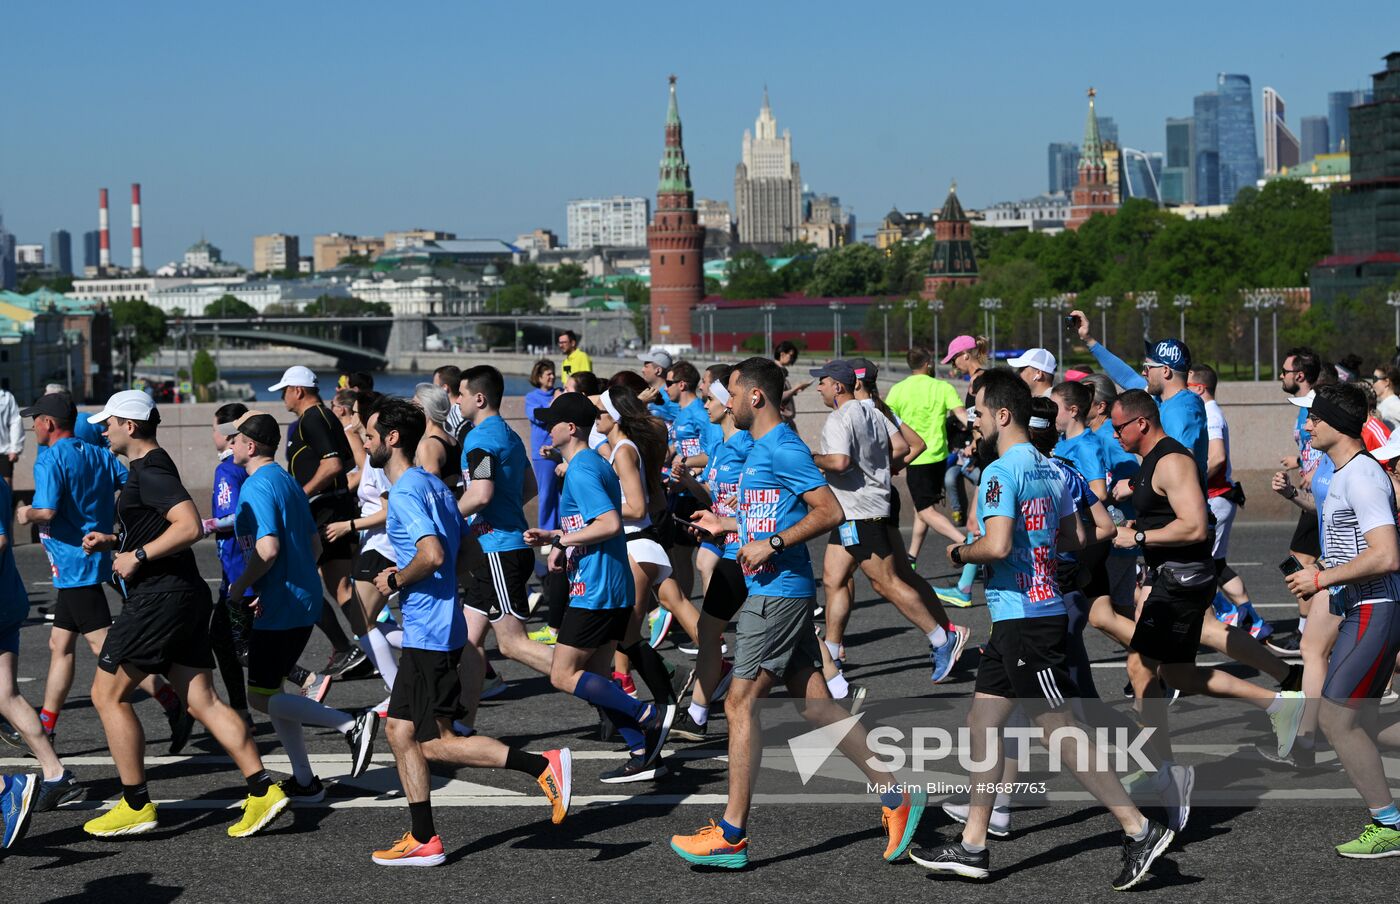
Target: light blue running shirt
1028	488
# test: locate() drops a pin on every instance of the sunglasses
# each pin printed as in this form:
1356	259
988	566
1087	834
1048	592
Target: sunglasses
1119	428
673	382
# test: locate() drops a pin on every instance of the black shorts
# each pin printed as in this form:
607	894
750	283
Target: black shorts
369	564
427	688
1169	627
1025	660
727	591
498	582
82	609
589	629
926	484
155	631
271	655
872	538
328	509
1305	539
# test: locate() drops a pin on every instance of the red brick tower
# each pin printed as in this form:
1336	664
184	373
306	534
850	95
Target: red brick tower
676	241
952	262
1092	194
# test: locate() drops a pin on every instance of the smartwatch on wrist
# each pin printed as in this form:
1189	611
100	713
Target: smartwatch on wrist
776	541
1140	538
956	555
140	553
393	582
557	543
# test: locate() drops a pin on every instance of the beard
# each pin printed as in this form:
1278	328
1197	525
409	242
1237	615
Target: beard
380	457
743	419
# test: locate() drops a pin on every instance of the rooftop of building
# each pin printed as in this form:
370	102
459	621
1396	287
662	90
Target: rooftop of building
1322	165
42	300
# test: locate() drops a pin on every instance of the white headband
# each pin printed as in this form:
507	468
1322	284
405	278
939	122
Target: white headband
1039	423
609	407
718	390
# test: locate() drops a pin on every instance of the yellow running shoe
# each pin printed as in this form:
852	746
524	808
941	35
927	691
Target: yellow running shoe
258	812
544	635
123	819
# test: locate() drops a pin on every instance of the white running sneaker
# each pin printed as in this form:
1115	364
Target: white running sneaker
999	827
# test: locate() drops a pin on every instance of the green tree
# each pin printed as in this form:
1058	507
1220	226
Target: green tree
205	372
337	306
531	276
515	296
230	306
566	278
750	277
34	283
146	318
852	270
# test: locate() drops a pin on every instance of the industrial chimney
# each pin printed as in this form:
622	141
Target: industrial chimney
104	254
136	226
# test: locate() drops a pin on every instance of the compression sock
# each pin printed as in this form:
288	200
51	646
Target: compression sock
531	764
892	799
834	648
305	711
293	741
652	668
259	783
1387	816
968	578
136	796
421	816
937	637
376	647
165	696
600	691
699	713
48	719
732	833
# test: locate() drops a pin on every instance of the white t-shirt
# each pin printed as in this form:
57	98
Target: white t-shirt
374	486
1360	498
1389	409
858	431
1217	428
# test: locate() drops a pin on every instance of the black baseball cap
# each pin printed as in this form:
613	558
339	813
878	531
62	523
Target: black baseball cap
57	405
261	428
840	371
572	408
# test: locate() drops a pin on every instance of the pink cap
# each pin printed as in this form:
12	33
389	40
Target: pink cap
958	346
1075	376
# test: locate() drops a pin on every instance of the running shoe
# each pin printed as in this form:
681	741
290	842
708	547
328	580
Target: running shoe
999	826
181	726
901	822
1287	719
16	802
954	596
122	819
316	686
635	769
1143	783
493	686
409	851
687	729
855	698
658	733
10	735
361	741
709	847
342	663
1376	841
62	790
359	667
913	563
297	794
946	656
1138	856
1293	681
1258	628
955	859
629	687
1286	645
545	635
557	782
660	624
259	812
1390	696
1300	757
381	709
1177	796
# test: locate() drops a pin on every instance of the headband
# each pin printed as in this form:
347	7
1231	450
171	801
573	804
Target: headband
719	392
608	405
1331	414
1039	423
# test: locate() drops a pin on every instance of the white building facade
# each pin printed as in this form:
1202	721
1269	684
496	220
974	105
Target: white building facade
616	221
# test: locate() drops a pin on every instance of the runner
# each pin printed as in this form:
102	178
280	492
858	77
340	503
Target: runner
688	434
783	502
1037	368
1298	378
343	407
448	378
655	366
280	541
425	530
1026	513
228	629
1387	400
443	456
163	627
968	355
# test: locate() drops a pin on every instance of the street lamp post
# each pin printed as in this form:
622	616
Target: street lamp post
1256	301
1182	302
1103	303
935	307
1393	299
768	310
1273	315
990	306
126	334
885	315
1147	303
836	309
1060	304
1040	305
909	305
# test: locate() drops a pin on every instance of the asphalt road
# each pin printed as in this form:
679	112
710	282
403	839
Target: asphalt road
614	845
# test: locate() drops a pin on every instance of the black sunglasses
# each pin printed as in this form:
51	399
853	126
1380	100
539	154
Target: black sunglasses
1119	428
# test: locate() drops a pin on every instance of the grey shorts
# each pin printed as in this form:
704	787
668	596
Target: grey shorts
775	634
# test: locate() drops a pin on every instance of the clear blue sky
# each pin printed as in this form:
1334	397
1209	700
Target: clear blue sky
485	118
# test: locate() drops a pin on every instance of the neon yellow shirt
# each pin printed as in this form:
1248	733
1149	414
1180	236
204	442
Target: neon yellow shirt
923	403
576	361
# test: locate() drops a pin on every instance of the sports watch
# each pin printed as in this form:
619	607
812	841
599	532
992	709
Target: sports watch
140	553
776	541
1140	538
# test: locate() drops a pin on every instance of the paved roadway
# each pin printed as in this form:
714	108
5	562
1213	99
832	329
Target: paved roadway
502	847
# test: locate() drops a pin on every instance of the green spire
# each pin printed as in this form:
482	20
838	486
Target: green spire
1091	154
673	112
675	172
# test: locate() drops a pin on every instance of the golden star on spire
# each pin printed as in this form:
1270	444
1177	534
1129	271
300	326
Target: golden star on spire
1092	92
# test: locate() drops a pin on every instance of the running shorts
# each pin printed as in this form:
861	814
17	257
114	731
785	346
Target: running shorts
155	631
82	609
775	634
1025	659
271	655
427	689
498	582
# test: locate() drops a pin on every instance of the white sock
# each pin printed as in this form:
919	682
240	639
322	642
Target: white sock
394	634
833	648
377	648
937	637
294	742
838	687
699	713
305	711
1302	623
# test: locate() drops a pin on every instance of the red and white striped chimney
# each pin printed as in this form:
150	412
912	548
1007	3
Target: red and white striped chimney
104	254
136	226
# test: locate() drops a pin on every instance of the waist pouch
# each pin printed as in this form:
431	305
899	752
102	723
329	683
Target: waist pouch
1189	576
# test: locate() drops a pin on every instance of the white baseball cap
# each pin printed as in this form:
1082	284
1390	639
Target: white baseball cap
1304	401
296	375
1391	449
131	404
1039	358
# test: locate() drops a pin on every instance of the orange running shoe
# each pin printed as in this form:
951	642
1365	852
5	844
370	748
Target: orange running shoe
900	823
708	847
409	851
557	782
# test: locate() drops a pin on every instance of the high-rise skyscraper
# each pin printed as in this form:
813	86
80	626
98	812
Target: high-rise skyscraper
92	248
1179	171
676	241
61	250
1313	133
7	257
1339	104
1280	145
1239	149
1108	130
1141	175
767	183
617	221
1064	166
1092	193
1207	148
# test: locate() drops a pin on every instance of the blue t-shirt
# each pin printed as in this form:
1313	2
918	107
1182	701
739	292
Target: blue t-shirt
1184	420
599	575
1085	452
492	451
1077	485
692	431
722	473
272	504
778	470
1321	482
78	482
537	400
228	479
664	408
421	505
1028	488
14	600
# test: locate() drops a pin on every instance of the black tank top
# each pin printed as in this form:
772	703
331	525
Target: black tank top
451	464
1154	511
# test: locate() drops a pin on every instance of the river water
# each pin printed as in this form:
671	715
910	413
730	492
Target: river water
392	383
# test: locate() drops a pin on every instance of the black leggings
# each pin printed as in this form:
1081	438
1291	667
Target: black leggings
1077	657
555	588
221	642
